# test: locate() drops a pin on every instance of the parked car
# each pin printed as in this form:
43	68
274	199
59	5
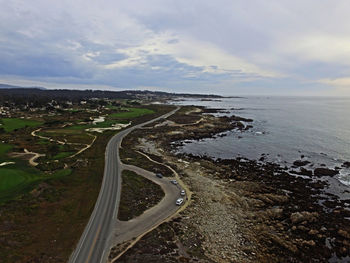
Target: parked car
159	175
174	182
183	192
179	201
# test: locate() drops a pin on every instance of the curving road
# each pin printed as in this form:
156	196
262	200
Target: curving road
93	245
127	230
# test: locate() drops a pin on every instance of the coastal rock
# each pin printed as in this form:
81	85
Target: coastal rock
303	228
298	217
303	243
313	232
325	172
346	164
344	233
300	163
310	243
304	171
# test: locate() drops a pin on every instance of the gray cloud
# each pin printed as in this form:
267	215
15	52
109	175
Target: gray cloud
226	46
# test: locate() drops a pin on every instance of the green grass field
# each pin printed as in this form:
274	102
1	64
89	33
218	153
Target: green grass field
74	135
122	117
62	155
4	148
11	177
10	124
15	180
131	113
61	173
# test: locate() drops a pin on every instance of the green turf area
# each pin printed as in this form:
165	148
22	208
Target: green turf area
131	113
16	180
13	181
4	148
61	173
43	142
73	110
112	107
62	155
10	124
74	135
10	177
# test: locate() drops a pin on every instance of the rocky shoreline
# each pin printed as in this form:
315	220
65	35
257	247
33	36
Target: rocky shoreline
290	205
246	210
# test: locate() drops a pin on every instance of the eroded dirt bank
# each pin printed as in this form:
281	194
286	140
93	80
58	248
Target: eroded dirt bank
242	211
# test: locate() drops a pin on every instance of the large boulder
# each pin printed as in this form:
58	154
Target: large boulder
325	172
298	217
300	163
346	164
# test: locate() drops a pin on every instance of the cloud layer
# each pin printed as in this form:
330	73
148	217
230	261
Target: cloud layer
228	47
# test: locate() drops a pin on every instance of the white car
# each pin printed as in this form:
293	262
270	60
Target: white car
174	182
179	201
183	193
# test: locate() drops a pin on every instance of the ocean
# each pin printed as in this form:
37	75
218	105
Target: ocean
285	129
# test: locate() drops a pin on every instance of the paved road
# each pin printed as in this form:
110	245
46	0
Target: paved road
93	245
127	230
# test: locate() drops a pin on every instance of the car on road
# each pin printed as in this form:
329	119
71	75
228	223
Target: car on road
174	182
183	193
159	175
179	201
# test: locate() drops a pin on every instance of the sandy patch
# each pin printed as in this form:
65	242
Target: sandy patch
6	163
27	155
117	126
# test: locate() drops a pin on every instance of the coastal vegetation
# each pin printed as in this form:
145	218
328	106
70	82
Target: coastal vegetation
131	113
10	124
51	172
138	194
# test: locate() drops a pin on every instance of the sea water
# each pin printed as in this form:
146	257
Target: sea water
285	129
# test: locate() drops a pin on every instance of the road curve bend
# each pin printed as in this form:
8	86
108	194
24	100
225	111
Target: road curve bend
93	245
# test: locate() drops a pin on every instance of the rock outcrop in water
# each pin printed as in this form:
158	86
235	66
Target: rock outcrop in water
325	172
300	163
346	164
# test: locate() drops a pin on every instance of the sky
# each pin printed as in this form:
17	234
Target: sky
228	47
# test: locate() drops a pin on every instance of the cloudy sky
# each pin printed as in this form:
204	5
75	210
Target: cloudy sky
274	47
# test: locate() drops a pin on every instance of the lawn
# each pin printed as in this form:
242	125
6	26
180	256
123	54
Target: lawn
13	181
61	173
71	135
62	155
16	180
131	113
10	177
4	148
10	124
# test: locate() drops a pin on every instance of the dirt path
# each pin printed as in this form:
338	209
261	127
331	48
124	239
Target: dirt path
86	146
31	159
195	110
33	133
